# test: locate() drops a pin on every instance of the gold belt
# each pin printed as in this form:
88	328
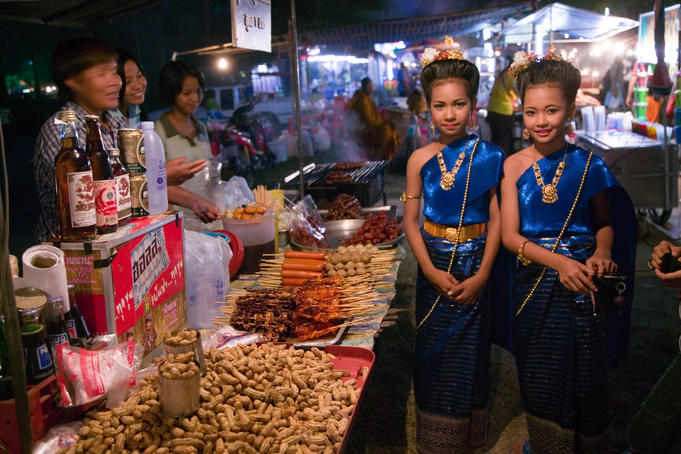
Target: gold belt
468	232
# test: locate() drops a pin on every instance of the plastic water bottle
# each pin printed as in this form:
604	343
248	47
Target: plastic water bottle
157	184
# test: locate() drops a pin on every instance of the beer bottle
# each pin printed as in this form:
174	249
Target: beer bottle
80	327
104	179
74	184
54	323
124	200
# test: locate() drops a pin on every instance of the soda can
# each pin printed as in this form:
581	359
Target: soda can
131	144
140	196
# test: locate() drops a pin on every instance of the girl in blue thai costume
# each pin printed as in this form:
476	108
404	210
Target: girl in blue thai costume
457	176
565	216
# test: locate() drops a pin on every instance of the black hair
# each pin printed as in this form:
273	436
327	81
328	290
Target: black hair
72	56
550	71
123	57
365	83
172	76
451	69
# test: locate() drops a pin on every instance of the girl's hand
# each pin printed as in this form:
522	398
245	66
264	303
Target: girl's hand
470	290
660	250
573	276
204	209
601	264
443	281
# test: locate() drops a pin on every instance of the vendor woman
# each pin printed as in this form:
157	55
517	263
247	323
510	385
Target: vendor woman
183	136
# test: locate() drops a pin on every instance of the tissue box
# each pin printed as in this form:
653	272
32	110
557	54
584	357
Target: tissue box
131	282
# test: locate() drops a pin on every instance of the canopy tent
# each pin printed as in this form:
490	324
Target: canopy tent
566	23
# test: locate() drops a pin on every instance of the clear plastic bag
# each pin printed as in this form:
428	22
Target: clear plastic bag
58	437
235	193
306	224
88	375
207	267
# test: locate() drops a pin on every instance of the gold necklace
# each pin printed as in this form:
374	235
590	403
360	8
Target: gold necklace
549	192
448	177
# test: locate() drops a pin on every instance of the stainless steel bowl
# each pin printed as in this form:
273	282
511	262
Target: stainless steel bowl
339	231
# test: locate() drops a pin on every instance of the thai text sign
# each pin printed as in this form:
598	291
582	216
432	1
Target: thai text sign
251	24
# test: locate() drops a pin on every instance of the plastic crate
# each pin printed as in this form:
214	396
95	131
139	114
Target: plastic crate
43	409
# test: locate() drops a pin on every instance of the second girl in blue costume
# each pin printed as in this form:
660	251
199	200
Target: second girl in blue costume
568	220
456	176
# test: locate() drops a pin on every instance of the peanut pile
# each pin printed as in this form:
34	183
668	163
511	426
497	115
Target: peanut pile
183	337
179	366
255	399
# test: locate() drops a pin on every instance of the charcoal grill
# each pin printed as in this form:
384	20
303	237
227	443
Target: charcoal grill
366	183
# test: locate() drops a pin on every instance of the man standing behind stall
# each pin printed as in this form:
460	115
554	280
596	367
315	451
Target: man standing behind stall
84	70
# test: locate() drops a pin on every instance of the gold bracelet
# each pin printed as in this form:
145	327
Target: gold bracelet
521	256
404	197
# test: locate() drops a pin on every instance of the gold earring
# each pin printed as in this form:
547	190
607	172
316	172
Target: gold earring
432	128
526	135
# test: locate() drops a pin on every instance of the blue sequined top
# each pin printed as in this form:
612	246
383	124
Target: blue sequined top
444	207
539	219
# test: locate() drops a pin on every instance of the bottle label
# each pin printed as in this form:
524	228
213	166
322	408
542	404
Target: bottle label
124	197
81	198
105	202
56	340
70	327
44	358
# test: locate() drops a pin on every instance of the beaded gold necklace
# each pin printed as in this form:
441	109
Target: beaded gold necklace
549	192
448	177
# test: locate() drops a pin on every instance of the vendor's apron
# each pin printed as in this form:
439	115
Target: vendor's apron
178	147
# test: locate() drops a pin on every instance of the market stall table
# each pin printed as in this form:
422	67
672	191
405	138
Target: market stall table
647	171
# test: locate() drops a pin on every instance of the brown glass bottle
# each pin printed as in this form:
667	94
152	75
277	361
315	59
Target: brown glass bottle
122	175
74	184
104	179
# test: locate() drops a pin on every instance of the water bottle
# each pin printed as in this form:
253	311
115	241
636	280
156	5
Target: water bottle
157	186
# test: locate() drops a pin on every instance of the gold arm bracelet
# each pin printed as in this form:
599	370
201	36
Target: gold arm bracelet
404	197
521	256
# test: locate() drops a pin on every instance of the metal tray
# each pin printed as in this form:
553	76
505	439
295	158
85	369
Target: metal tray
331	339
389	210
338	231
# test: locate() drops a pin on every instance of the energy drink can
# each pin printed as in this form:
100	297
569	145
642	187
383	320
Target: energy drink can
140	196
131	144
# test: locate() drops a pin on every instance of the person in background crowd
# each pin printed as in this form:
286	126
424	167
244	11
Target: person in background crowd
657	423
181	87
378	135
129	110
403	80
613	86
84	71
500	108
567	218
457	176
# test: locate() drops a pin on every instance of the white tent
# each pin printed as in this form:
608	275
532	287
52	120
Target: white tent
560	23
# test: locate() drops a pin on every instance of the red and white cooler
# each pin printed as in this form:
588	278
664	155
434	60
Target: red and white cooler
132	282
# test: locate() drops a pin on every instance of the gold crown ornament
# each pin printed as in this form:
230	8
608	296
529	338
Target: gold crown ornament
452	52
522	59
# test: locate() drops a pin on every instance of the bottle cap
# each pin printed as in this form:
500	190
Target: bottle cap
115	152
67	115
147	125
56	301
92	117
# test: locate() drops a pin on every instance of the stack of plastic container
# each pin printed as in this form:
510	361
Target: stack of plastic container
641	90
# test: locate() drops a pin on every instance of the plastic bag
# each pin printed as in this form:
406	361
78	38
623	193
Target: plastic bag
228	337
86	375
58	437
306	225
207	267
236	193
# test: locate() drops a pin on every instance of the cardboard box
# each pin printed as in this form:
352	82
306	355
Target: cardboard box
132	282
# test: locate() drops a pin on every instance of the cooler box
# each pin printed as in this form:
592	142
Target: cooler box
131	282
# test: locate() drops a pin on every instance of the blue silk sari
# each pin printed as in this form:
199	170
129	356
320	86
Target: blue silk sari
561	346
451	376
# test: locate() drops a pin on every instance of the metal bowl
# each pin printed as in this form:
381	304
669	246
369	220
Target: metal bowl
338	231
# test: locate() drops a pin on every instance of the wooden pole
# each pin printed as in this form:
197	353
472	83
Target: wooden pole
9	309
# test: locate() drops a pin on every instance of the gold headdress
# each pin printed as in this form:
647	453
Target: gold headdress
431	54
523	59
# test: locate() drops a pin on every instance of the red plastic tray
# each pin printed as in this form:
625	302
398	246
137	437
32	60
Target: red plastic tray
237	252
352	359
